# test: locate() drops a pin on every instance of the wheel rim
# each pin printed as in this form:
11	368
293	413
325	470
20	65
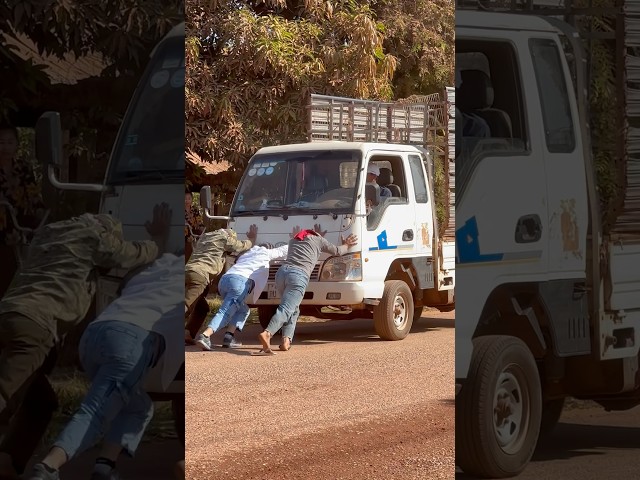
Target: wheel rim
511	409
399	312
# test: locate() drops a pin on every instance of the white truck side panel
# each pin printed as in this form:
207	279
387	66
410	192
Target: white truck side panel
625	277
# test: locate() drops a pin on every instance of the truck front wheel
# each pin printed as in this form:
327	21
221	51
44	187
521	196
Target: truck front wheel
499	409
393	316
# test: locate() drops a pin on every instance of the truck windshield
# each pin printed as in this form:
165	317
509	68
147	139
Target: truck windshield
150	145
299	182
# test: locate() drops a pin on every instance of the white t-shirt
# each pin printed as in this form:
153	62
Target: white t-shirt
154	300
254	264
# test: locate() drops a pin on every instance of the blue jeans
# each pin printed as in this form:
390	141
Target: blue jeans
233	289
291	283
116	356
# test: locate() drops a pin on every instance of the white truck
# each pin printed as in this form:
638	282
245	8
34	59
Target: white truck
404	260
146	167
551	303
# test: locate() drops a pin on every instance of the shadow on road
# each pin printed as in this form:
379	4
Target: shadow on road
432	323
331	331
570	441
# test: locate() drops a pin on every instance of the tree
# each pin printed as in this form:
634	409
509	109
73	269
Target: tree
252	64
119	34
420	33
250	69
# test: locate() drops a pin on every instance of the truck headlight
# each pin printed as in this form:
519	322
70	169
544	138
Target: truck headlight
347	267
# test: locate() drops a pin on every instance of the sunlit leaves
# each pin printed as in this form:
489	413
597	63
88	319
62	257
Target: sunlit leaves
251	65
250	71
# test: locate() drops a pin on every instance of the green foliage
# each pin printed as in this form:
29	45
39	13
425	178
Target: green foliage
251	66
421	35
603	107
248	82
441	193
117	36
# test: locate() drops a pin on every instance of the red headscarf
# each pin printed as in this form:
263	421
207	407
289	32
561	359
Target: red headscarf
302	234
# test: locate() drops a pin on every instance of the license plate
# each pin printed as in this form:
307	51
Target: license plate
271	291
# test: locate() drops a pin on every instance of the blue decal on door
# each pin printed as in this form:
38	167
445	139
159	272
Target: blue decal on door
383	244
468	245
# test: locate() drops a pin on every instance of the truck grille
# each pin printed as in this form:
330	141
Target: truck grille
273	269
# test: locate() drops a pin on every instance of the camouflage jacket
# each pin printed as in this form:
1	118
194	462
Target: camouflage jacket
57	281
207	258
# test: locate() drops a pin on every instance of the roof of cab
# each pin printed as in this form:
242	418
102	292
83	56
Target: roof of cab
175	32
502	21
337	145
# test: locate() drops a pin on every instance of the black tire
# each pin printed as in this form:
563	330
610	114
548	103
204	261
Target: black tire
502	368
417	313
551	412
178	410
447	308
393	317
265	313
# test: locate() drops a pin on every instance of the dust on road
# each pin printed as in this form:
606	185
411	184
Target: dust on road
342	404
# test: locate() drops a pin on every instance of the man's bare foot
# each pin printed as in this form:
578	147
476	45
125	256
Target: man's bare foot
260	353
285	345
265	340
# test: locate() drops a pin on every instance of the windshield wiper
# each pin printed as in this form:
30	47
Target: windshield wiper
244	213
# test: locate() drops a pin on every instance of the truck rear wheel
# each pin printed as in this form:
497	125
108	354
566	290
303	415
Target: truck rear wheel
265	313
393	317
499	409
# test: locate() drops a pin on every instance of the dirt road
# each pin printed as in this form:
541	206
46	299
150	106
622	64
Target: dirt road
342	404
588	444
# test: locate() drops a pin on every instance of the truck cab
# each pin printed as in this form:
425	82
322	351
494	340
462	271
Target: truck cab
545	313
401	262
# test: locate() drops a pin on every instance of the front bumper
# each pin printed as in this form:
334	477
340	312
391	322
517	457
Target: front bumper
327	293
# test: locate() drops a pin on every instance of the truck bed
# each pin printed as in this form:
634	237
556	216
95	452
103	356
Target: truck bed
625	277
428	121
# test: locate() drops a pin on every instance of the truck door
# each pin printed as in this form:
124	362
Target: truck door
423	209
565	168
501	205
390	231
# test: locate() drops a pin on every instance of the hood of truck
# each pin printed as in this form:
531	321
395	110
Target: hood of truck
278	231
133	206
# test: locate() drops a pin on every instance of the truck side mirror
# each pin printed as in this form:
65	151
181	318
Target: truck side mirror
205	198
49	139
205	203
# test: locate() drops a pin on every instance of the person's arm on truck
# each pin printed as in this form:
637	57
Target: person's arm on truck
238	246
118	253
280	252
331	249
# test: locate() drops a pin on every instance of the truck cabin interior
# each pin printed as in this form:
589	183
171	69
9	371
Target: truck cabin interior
489	99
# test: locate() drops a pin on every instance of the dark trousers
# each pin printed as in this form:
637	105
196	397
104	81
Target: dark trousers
27	399
196	290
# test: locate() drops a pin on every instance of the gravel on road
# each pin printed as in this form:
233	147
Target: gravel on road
341	404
